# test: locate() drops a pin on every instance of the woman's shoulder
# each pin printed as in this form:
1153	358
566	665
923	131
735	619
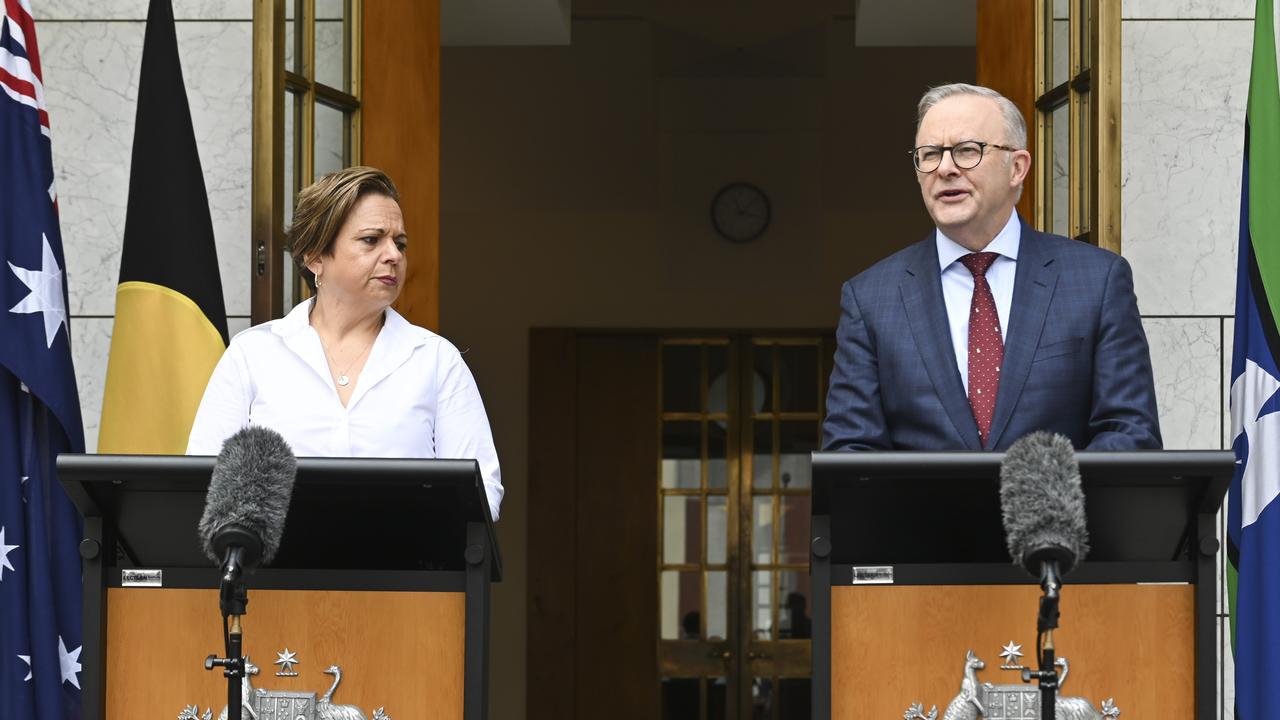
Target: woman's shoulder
272	332
420	338
255	334
258	340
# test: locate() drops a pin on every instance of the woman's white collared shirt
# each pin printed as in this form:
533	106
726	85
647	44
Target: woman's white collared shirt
415	397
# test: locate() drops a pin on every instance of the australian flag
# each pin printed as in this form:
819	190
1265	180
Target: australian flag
40	588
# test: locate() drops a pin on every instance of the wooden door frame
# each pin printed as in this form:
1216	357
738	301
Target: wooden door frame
553	486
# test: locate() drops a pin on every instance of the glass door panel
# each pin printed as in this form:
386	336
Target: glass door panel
696	652
739	417
786	424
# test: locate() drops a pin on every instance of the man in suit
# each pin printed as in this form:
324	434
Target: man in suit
987	330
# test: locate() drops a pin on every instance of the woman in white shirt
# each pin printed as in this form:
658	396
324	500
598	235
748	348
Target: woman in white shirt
343	374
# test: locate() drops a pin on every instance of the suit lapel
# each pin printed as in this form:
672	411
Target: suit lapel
921	291
1033	286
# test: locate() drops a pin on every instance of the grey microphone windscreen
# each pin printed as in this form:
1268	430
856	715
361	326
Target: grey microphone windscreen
250	489
1042	502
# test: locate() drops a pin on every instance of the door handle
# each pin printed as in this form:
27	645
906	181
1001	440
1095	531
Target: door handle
720	654
753	655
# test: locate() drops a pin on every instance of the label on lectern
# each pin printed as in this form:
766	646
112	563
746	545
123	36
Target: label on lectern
872	574
132	577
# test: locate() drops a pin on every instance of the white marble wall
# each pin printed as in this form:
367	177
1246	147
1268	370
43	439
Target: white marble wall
1185	74
1184	79
1186	357
92	54
1184	94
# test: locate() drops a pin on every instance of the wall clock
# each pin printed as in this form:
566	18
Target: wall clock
740	212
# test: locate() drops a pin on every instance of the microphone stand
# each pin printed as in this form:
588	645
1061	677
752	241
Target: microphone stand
233	599
1046	623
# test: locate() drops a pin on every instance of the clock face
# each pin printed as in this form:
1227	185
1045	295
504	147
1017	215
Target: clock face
740	212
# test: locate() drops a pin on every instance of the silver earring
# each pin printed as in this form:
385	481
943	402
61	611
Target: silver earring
319	282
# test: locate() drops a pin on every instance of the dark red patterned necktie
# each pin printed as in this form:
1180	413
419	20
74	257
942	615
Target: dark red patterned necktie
986	348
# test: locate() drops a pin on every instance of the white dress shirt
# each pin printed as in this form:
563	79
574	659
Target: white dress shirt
415	397
957	286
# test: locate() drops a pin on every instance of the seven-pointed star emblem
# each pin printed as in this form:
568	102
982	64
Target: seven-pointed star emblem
1011	653
70	662
286	660
4	555
45	297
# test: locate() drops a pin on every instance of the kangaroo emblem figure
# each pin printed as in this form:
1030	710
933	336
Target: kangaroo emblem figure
966	705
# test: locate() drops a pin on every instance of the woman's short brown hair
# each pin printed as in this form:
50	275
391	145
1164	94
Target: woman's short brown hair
322	208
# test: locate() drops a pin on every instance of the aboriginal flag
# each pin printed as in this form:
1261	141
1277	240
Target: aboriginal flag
170	323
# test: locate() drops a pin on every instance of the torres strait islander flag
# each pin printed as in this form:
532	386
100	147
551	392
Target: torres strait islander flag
1253	515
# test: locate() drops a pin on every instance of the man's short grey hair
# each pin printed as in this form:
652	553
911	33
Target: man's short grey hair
1015	126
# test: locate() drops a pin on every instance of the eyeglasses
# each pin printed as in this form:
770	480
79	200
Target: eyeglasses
966	155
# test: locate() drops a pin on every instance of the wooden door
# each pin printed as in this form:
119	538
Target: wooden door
1006	63
592	526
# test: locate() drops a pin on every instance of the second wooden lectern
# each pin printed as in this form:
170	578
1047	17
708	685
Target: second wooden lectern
911	571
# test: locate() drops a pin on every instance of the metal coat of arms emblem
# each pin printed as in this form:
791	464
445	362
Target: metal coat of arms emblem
284	705
260	704
1009	702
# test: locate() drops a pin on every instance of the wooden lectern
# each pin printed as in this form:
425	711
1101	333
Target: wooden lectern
377	601
911	570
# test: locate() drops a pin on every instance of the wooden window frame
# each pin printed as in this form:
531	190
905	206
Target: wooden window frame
272	83
1092	94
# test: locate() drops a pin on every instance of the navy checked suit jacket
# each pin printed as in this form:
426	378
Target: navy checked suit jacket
1076	360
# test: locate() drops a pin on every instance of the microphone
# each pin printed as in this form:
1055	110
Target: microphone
248	500
1042	503
1043	508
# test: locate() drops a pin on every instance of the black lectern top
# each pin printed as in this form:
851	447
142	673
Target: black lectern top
345	513
924	507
